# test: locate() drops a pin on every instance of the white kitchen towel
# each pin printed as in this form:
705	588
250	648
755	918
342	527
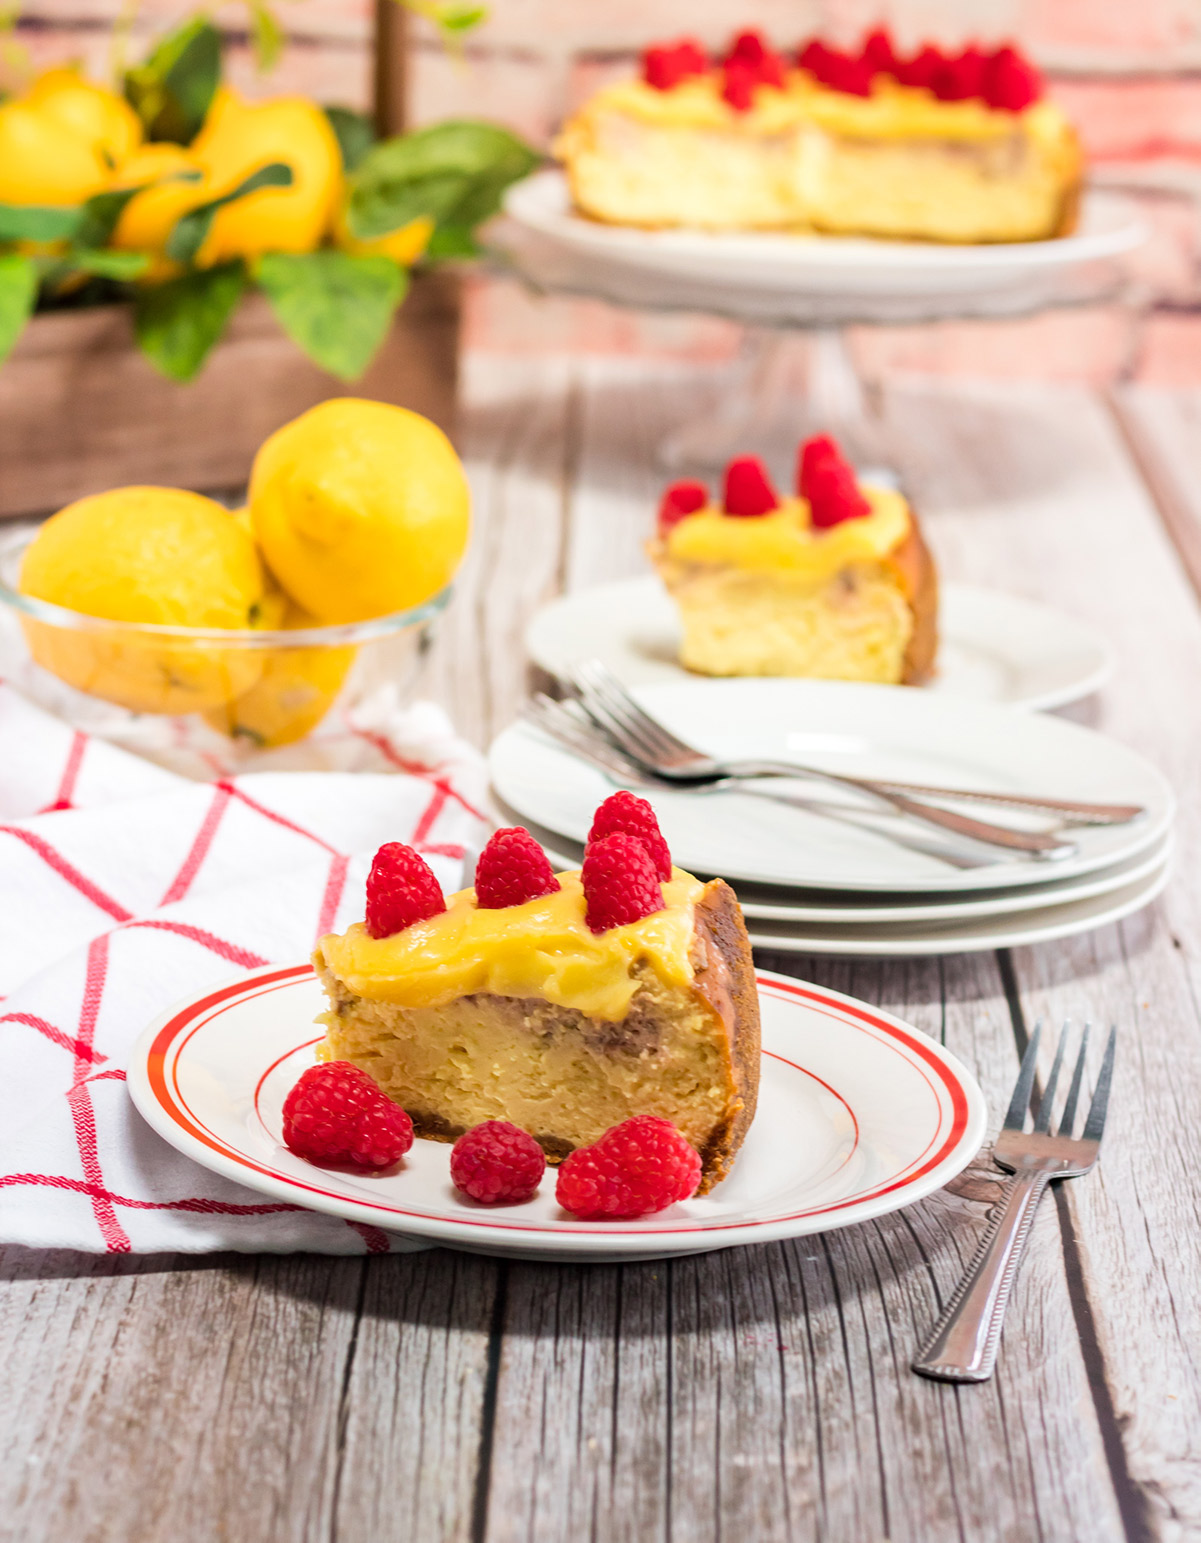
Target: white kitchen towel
124	887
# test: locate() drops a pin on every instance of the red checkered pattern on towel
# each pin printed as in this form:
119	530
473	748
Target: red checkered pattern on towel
124	888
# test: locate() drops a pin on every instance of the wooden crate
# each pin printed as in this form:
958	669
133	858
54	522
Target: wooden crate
81	410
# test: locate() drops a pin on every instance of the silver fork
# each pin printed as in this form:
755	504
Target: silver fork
568	724
643	739
963	1345
606	697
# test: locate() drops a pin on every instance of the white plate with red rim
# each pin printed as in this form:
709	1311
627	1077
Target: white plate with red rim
993	646
859	1114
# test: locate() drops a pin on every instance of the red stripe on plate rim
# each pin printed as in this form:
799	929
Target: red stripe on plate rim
170	1100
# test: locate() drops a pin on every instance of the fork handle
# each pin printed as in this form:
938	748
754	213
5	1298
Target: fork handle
963	1345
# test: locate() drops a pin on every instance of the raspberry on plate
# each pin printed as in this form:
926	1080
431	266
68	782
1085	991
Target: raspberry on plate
636	1168
336	1113
620	882
497	1163
633	816
512	869
401	890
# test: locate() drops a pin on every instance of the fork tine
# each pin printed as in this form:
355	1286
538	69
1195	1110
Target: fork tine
1095	1123
613	721
585	741
1016	1117
1043	1123
1069	1109
601	681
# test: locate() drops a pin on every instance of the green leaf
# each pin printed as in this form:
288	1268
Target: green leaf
456	172
267	36
337	308
189	232
355	131
33	222
179	321
462	18
172	89
106	264
449	241
18	294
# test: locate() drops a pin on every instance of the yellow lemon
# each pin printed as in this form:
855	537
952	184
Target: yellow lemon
404	246
148	555
94	114
174	183
296	689
360	509
238	138
44	161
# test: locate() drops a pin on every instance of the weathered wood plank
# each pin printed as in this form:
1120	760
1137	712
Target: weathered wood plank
1091	542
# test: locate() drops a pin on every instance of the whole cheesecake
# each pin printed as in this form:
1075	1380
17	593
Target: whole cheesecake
526	1012
835	583
961	148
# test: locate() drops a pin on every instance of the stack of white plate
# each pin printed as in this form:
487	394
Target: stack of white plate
821	872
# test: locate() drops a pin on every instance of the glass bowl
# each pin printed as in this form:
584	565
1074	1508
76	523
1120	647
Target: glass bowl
204	700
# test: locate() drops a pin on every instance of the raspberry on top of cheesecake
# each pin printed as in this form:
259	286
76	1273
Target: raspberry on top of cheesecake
835	582
563	1003
933	146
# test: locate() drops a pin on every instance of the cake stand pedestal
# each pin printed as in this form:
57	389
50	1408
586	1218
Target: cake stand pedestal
778	285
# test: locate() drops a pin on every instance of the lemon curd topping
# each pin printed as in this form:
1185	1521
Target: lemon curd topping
543	948
892	111
785	540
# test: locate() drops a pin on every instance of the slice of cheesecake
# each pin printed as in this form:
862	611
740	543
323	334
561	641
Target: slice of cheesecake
525	1011
961	148
835	583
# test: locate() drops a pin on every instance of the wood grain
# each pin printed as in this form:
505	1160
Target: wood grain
760	1393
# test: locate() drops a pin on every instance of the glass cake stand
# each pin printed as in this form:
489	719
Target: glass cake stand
776	285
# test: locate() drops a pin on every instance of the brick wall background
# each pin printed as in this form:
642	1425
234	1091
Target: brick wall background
1129	72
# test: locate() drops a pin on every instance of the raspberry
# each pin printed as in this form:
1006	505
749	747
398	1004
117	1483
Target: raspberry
878	53
921	69
638	1167
667	64
748	489
401	890
828	482
633	816
679	501
497	1163
750	52
512	869
960	78
336	1113
1010	81
738	85
830	67
620	882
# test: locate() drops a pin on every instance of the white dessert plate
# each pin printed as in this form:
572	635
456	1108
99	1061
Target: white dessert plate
994	646
846	266
880	731
859	1114
1042	924
760	903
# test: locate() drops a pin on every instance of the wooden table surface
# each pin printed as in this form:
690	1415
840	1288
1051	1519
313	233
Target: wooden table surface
757	1394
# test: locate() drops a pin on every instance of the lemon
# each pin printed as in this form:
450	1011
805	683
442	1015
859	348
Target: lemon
173	183
360	509
94	114
145	554
296	689
239	138
44	161
403	246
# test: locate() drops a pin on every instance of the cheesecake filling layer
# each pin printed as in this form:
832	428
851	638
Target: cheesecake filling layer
541	949
784	541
